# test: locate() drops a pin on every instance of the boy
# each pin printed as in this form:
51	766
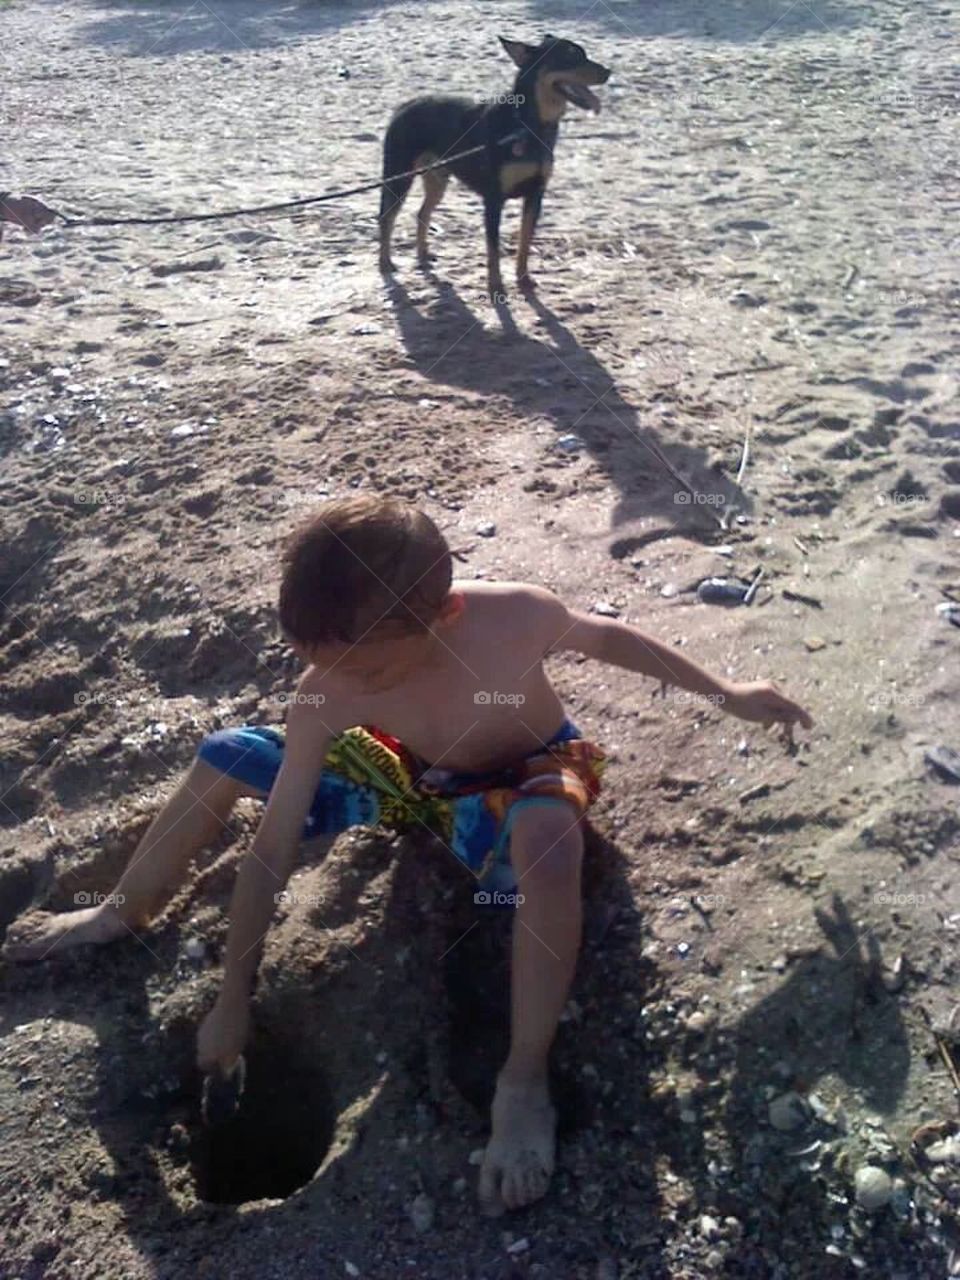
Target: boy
471	741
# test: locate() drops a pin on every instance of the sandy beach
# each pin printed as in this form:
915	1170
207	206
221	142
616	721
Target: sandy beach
747	271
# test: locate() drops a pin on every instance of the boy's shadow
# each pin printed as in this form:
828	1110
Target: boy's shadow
563	381
831	1016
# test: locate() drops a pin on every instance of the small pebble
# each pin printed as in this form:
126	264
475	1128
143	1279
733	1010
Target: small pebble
946	1152
709	1227
698	1022
519	1246
486	529
788	1111
606	609
194	949
476	1156
873	1186
421	1212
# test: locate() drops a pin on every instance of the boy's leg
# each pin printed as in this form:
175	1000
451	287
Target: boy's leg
192	817
546	850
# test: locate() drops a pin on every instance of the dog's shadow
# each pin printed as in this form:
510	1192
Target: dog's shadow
559	379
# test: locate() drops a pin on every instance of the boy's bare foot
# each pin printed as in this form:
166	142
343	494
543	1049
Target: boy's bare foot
518	1161
41	934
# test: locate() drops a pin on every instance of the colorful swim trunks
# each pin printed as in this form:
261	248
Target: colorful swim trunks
371	779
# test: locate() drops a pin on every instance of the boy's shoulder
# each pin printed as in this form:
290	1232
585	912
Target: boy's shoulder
512	607
508	592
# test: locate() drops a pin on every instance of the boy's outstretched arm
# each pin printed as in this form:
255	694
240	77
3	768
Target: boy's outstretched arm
625	646
263	874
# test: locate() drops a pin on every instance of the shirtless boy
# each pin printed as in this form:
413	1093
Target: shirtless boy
453	671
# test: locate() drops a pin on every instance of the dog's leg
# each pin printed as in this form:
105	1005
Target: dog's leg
392	196
493	208
434	185
531	212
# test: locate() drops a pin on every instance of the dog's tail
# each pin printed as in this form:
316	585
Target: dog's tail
397	158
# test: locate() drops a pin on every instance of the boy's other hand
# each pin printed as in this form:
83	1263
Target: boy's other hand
223	1034
762	702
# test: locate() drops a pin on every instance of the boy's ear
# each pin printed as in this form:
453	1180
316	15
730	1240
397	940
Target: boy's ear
453	606
521	53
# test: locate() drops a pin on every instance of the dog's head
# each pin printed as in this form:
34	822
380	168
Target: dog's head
561	73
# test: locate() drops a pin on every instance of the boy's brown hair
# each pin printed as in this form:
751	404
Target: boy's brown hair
361	563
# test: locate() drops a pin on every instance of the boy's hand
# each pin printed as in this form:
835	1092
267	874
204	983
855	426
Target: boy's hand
763	702
223	1034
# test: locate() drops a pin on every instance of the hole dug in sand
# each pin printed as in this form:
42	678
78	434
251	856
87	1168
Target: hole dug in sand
279	1136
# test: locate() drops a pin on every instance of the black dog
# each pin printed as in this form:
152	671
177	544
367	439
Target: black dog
518	133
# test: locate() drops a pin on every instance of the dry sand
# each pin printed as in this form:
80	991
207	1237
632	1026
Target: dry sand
758	233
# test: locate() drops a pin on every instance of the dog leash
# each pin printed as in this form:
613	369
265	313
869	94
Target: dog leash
283	204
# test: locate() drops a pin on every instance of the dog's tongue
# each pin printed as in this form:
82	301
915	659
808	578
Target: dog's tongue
579	95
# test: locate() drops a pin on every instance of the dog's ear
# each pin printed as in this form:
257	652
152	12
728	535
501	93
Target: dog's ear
521	53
